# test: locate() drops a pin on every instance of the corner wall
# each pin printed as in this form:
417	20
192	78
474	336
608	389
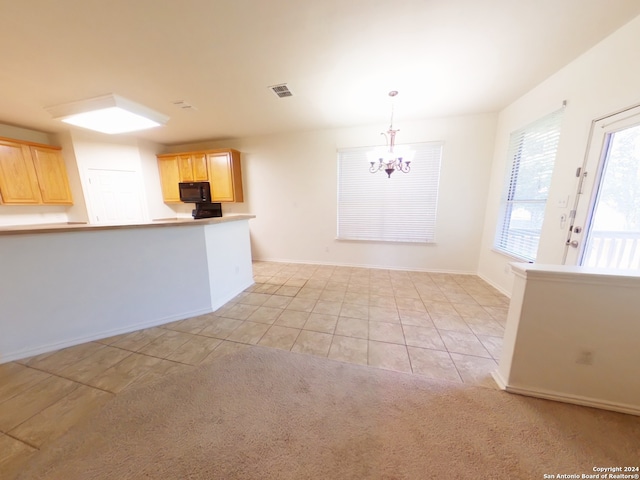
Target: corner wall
603	80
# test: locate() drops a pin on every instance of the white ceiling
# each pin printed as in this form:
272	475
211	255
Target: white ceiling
340	58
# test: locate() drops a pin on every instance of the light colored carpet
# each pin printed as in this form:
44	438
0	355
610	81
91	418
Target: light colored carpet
267	414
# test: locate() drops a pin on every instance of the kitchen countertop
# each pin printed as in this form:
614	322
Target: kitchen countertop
78	227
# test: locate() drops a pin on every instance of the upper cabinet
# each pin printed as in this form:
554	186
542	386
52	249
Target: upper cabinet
52	176
221	168
225	176
32	174
193	167
169	178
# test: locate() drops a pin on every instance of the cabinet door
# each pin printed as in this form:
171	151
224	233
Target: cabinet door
52	176
200	171
220	177
169	179
18	180
236	176
185	167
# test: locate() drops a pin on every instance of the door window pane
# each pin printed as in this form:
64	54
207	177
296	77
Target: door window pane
614	235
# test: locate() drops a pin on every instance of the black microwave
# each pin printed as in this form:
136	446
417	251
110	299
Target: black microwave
195	192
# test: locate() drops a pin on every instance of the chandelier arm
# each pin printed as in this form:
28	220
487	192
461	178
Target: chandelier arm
394	163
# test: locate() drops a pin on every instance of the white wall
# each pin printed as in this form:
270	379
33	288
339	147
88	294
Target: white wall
603	80
18	133
76	213
571	335
98	151
157	209
108	152
290	184
71	287
229	261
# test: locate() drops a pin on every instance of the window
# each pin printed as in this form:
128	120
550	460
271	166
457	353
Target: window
531	155
397	209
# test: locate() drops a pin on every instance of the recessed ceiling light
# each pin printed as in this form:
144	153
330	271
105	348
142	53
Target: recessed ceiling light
108	114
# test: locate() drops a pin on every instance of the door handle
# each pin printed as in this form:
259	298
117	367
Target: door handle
573	243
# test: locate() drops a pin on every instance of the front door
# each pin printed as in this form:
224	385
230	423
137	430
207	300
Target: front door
605	232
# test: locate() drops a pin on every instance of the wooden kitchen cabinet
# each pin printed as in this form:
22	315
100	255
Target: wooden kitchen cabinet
32	174
221	168
193	167
52	176
225	176
169	178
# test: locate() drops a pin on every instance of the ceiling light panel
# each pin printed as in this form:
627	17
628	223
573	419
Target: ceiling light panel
110	114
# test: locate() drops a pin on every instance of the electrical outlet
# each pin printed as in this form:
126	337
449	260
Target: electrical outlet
585	357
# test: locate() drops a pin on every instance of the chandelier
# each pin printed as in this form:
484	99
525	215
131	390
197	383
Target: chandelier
389	163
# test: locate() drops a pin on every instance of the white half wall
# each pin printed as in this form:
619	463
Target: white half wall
228	260
572	335
602	81
65	288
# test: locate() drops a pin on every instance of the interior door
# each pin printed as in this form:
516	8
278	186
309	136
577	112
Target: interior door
114	197
605	226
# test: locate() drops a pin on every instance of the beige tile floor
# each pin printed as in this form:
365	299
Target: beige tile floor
442	326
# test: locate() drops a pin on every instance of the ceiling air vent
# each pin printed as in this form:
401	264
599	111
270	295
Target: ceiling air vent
281	90
184	105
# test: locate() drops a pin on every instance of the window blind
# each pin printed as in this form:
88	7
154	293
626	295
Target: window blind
397	209
532	153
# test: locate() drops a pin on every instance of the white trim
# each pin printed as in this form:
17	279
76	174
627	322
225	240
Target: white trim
573	399
358	265
499	380
576	275
494	285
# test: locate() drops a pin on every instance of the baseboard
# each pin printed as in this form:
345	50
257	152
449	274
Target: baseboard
494	285
499	380
30	352
219	302
568	398
357	265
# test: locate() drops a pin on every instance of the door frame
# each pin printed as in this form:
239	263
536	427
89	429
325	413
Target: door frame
589	178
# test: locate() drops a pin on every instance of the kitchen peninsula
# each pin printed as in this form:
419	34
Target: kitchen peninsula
71	283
